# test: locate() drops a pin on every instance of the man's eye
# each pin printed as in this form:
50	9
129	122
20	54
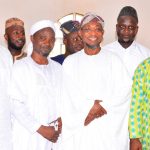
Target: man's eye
131	28
122	27
52	40
15	33
99	29
86	29
42	38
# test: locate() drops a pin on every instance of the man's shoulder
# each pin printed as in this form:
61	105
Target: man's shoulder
142	47
4	51
73	57
20	67
5	55
55	67
111	46
21	62
112	57
23	54
73	60
143	66
59	58
109	52
54	63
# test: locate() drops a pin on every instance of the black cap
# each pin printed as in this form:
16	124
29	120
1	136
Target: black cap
70	26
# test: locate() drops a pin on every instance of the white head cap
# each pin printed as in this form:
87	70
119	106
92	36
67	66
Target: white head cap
41	25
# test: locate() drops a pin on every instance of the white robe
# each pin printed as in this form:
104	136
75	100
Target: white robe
5	117
35	94
102	77
131	56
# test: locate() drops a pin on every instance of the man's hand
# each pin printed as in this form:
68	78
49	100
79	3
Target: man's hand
135	144
96	111
49	133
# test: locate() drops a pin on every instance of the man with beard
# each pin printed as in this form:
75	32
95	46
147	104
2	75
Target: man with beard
102	78
35	93
71	40
131	52
15	37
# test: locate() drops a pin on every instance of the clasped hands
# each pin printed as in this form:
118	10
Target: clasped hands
95	112
50	132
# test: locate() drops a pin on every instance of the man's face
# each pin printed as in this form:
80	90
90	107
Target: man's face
73	42
43	41
92	33
15	36
126	29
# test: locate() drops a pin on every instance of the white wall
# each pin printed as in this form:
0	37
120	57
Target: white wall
34	10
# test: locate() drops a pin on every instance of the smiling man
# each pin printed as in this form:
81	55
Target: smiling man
15	37
102	78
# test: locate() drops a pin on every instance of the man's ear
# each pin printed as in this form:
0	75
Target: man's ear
137	29
103	31
64	41
31	38
79	33
116	27
6	37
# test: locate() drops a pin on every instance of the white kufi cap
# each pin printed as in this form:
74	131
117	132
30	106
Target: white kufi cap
41	25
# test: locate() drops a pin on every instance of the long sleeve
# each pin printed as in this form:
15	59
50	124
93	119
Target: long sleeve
23	116
17	91
74	108
136	106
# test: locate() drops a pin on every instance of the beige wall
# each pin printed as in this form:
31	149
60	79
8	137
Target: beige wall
33	10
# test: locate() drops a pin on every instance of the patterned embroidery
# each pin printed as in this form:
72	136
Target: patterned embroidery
139	117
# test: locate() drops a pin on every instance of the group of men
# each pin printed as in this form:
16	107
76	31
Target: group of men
84	103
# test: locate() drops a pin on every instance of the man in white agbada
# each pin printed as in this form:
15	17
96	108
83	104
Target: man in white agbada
5	117
102	78
131	52
35	93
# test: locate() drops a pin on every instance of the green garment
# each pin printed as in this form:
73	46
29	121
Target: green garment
139	117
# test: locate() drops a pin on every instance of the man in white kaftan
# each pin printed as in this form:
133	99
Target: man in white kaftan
5	115
99	75
130	52
132	56
35	93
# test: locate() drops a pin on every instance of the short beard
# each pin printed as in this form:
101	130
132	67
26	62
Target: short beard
13	46
92	46
125	44
45	54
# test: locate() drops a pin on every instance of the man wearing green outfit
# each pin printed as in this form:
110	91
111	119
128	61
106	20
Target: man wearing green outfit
139	118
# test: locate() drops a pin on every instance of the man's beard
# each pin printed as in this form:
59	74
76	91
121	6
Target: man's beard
123	42
92	46
44	53
13	46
